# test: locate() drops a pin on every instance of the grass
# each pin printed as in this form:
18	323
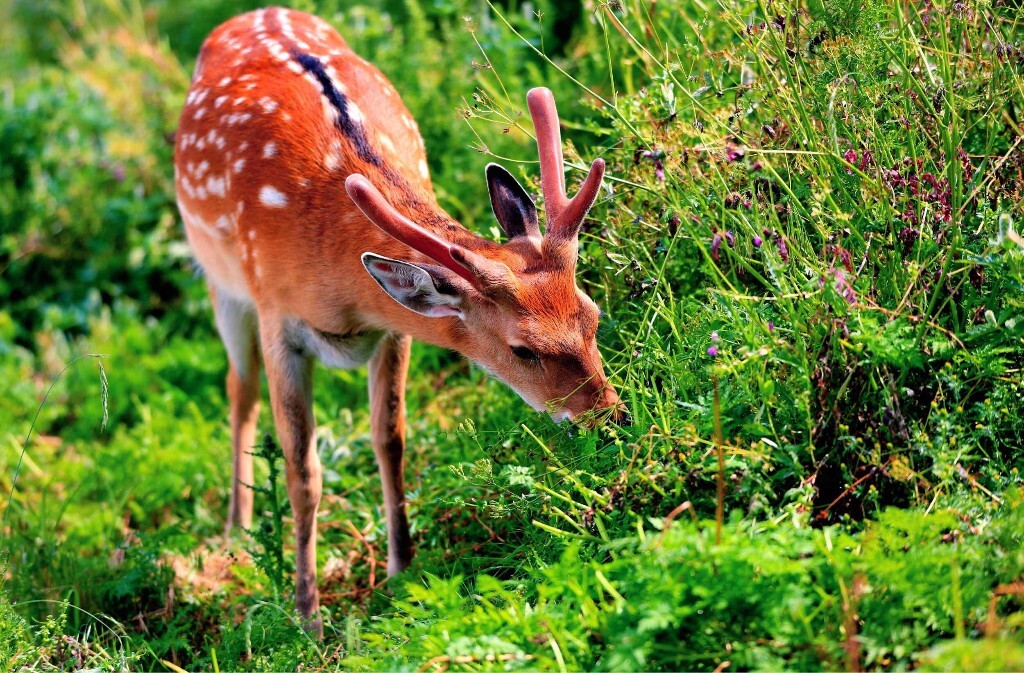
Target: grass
813	289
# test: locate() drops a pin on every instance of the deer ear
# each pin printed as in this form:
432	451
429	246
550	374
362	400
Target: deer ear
513	207
427	290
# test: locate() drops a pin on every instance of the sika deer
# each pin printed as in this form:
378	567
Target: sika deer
303	185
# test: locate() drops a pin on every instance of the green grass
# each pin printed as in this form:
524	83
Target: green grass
814	298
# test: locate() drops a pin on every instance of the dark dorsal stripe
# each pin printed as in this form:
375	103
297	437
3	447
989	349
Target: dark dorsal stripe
356	134
352	130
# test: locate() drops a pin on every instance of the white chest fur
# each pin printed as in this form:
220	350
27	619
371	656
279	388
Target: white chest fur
337	351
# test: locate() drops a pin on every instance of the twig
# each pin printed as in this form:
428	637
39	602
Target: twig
369	547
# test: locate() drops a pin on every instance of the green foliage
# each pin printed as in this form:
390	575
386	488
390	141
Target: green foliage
808	238
269	535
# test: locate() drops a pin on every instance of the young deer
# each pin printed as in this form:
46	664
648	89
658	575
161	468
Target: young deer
280	114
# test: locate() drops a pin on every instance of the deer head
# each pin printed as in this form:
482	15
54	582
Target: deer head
520	313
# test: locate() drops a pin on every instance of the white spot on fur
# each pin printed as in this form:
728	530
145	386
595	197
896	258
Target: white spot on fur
201	170
269	104
199	113
187	187
215	186
330	114
313	81
269	150
239	165
424	171
386	143
194	221
224	223
240	100
354	113
220	101
331	160
225	81
338	84
272	198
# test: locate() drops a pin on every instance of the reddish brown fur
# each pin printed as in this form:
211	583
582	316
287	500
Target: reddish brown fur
260	167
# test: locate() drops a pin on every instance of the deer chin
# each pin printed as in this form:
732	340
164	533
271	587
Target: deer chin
560	416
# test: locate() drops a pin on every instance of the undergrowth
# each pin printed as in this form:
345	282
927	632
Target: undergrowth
808	259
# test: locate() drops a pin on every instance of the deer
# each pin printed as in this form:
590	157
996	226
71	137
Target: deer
303	186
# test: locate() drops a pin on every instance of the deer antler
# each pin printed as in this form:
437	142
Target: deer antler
564	215
480	272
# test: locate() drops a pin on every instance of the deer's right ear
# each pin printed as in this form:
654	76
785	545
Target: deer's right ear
427	290
513	207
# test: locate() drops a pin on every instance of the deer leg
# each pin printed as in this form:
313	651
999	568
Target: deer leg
236	322
387	372
289	375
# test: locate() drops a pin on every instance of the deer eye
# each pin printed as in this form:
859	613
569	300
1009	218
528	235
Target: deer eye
524	353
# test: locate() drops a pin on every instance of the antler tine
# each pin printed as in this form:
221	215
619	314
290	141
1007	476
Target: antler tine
564	215
549	148
377	209
584	199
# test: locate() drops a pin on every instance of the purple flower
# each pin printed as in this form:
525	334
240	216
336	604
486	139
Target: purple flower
843	287
714	336
733	153
716	242
713	351
731	238
757	241
783	248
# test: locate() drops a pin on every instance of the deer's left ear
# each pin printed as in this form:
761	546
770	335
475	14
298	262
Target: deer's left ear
427	290
513	207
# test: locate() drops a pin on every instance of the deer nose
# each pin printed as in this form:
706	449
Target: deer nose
610	400
622	418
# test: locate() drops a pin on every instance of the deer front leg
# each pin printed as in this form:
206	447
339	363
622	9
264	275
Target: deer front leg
289	375
387	419
236	323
